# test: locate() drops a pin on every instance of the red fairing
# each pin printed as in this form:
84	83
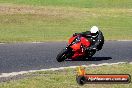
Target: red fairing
85	42
77	47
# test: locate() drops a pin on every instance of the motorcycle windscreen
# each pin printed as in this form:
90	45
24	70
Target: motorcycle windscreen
71	40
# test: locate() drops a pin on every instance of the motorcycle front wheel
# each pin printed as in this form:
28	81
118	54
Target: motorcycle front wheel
62	55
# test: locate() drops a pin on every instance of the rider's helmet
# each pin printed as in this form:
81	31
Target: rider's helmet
94	31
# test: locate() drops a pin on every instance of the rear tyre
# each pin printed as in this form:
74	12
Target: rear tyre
62	55
90	54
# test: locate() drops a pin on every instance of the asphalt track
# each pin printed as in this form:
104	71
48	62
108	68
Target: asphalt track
35	56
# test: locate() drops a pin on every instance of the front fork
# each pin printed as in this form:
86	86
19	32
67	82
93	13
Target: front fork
70	51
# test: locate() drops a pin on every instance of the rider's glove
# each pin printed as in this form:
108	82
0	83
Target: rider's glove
75	34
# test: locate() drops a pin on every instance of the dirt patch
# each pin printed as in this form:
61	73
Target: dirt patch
10	9
18	77
58	12
21	10
61	12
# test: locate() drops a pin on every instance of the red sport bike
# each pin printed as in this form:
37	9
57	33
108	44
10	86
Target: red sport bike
76	48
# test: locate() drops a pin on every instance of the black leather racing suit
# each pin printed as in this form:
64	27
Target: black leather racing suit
96	42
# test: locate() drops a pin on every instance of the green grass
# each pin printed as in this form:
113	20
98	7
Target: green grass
67	78
57	20
75	3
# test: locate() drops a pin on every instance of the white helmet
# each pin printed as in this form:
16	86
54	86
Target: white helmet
94	30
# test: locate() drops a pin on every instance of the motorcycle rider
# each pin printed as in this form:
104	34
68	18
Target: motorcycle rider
95	36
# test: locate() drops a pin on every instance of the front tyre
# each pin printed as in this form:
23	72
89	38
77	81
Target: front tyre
62	55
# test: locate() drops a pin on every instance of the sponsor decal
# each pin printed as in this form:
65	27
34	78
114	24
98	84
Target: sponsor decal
83	78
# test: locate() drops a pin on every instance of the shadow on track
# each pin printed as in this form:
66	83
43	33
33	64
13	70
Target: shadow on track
91	59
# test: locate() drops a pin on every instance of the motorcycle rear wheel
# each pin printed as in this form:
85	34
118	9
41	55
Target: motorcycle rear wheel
90	54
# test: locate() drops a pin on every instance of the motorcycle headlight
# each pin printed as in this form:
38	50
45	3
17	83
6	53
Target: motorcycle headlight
77	40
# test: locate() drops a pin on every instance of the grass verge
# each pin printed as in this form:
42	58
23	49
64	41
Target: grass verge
75	3
49	23
66	78
57	20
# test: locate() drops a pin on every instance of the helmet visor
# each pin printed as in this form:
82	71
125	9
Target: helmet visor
94	34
